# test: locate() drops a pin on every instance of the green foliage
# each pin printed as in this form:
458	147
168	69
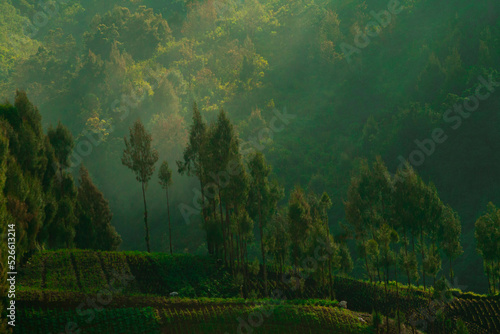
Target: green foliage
487	235
243	58
275	319
138	33
94	229
155	273
346	263
61	140
122	320
139	155
387	212
14	44
192	154
165	175
299	222
63	279
377	320
461	328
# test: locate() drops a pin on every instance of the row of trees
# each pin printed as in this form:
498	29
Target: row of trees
233	70
401	226
237	193
41	197
37	194
400	223
140	156
487	235
239	202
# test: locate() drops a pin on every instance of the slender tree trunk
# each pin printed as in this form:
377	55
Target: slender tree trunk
497	271
422	252
406	256
488	275
386	297
367	268
451	271
330	285
146	218
228	225
203	209
231	252
261	228
386	279
243	264
61	179
214	215
223	226
493	278
397	295
205	218
245	260
378	270
238	250
169	224
366	261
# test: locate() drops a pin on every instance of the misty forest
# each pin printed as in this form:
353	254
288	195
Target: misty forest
249	166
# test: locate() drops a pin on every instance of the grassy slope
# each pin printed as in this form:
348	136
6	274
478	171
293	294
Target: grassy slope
67	281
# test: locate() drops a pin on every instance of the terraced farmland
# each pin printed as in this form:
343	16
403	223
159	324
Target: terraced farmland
137	286
482	314
206	317
131	272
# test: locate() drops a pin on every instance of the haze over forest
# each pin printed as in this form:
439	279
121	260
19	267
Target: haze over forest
297	80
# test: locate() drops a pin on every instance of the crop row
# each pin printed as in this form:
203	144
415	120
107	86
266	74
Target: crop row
485	313
207	318
266	318
123	321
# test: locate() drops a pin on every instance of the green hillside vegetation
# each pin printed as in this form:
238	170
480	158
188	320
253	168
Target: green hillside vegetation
209	319
147	297
86	66
334	150
156	273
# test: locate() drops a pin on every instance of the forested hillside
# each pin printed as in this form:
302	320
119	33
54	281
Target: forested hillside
298	80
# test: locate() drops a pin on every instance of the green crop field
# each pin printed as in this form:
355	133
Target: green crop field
129	292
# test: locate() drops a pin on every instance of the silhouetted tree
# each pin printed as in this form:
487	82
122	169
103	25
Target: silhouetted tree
94	229
450	233
165	176
140	157
299	223
260	193
192	163
61	140
487	235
